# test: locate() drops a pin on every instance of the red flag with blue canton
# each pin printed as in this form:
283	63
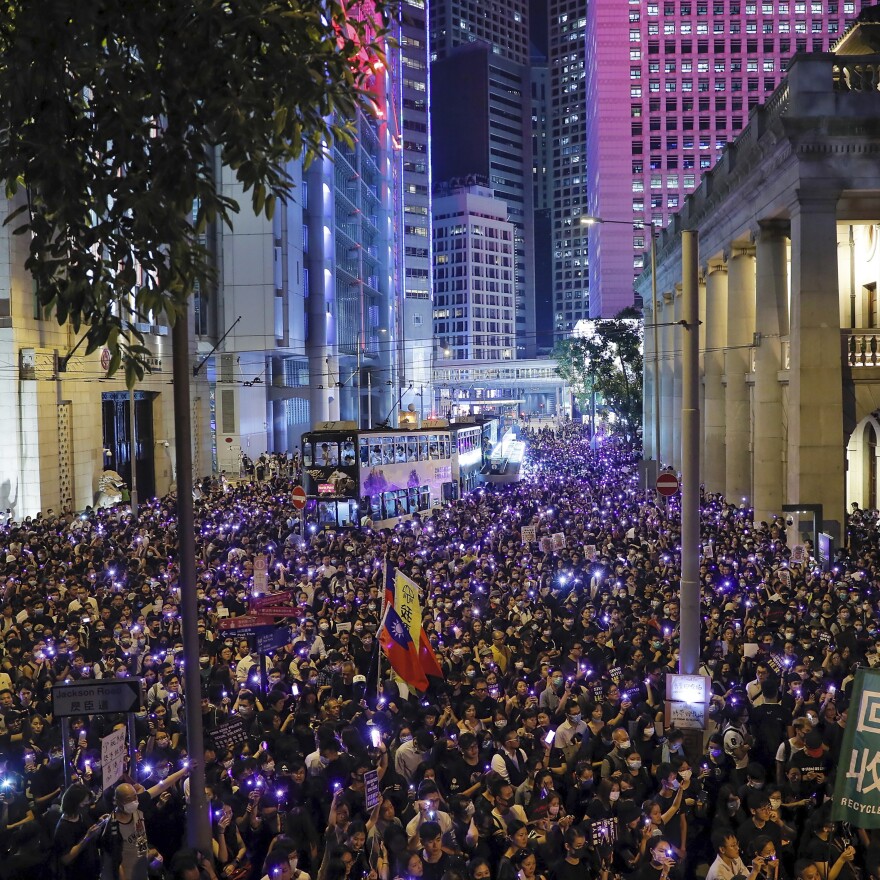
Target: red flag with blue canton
401	650
428	659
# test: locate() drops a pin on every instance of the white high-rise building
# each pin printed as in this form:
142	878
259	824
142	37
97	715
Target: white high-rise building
474	256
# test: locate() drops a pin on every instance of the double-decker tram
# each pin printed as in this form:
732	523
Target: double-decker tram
379	476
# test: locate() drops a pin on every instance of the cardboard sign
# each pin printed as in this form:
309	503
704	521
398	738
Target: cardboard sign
371	789
798	554
590	550
687	701
558	541
112	757
228	734
616	674
528	534
784	577
546	545
686	716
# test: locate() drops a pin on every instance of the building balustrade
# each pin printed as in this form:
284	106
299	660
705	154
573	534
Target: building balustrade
861	347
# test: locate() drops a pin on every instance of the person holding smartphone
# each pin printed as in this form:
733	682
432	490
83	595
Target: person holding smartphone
728	861
765	861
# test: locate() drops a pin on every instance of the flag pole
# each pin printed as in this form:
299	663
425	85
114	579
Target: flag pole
382	614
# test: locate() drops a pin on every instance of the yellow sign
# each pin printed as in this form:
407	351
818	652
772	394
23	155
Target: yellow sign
407	605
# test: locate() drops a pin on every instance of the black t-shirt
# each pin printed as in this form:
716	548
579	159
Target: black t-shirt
436	870
806	765
67	835
564	870
749	831
458	775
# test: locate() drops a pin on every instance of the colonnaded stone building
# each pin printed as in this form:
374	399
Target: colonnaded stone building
789	249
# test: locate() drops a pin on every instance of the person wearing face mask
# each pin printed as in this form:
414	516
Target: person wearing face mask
573	865
615	762
670	797
791	746
663	863
636	775
555	696
74	836
125	850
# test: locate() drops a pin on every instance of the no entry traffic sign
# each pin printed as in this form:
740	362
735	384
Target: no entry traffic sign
299	498
667	484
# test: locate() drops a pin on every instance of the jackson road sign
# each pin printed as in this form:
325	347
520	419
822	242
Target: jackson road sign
90	697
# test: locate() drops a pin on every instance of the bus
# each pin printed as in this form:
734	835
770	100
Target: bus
379	476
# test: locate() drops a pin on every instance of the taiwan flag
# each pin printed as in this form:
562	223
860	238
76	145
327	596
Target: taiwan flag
400	649
402	594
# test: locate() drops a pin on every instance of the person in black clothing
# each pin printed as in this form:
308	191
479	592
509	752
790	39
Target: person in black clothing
572	865
435	862
661	865
759	825
74	837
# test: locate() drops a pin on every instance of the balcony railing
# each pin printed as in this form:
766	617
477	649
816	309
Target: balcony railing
862	348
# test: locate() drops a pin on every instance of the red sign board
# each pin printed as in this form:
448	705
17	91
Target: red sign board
667	484
299	498
244	621
273	611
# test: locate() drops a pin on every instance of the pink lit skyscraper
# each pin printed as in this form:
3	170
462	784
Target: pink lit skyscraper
668	84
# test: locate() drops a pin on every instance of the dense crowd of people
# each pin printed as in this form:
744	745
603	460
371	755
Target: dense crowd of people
542	753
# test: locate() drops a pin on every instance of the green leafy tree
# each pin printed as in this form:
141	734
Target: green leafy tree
610	360
116	115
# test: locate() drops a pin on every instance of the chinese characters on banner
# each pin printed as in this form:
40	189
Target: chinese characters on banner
113	757
406	604
857	790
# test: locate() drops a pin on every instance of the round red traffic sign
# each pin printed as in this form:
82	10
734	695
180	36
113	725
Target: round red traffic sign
667	484
105	359
299	498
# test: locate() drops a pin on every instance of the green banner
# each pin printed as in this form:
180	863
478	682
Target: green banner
857	788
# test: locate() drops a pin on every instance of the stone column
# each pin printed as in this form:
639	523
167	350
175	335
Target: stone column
816	441
648	383
771	319
714	424
737	400
702	370
676	381
667	378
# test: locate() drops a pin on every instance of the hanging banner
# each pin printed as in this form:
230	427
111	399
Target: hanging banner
857	789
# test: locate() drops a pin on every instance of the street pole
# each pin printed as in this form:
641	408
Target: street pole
656	347
133	455
689	655
360	394
198	823
369	400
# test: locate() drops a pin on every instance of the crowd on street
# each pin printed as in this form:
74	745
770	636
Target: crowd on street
542	753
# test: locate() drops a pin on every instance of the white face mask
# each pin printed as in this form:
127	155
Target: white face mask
131	808
613	795
685	775
775	803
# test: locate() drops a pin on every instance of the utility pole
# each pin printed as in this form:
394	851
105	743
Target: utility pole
689	655
198	823
132	446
